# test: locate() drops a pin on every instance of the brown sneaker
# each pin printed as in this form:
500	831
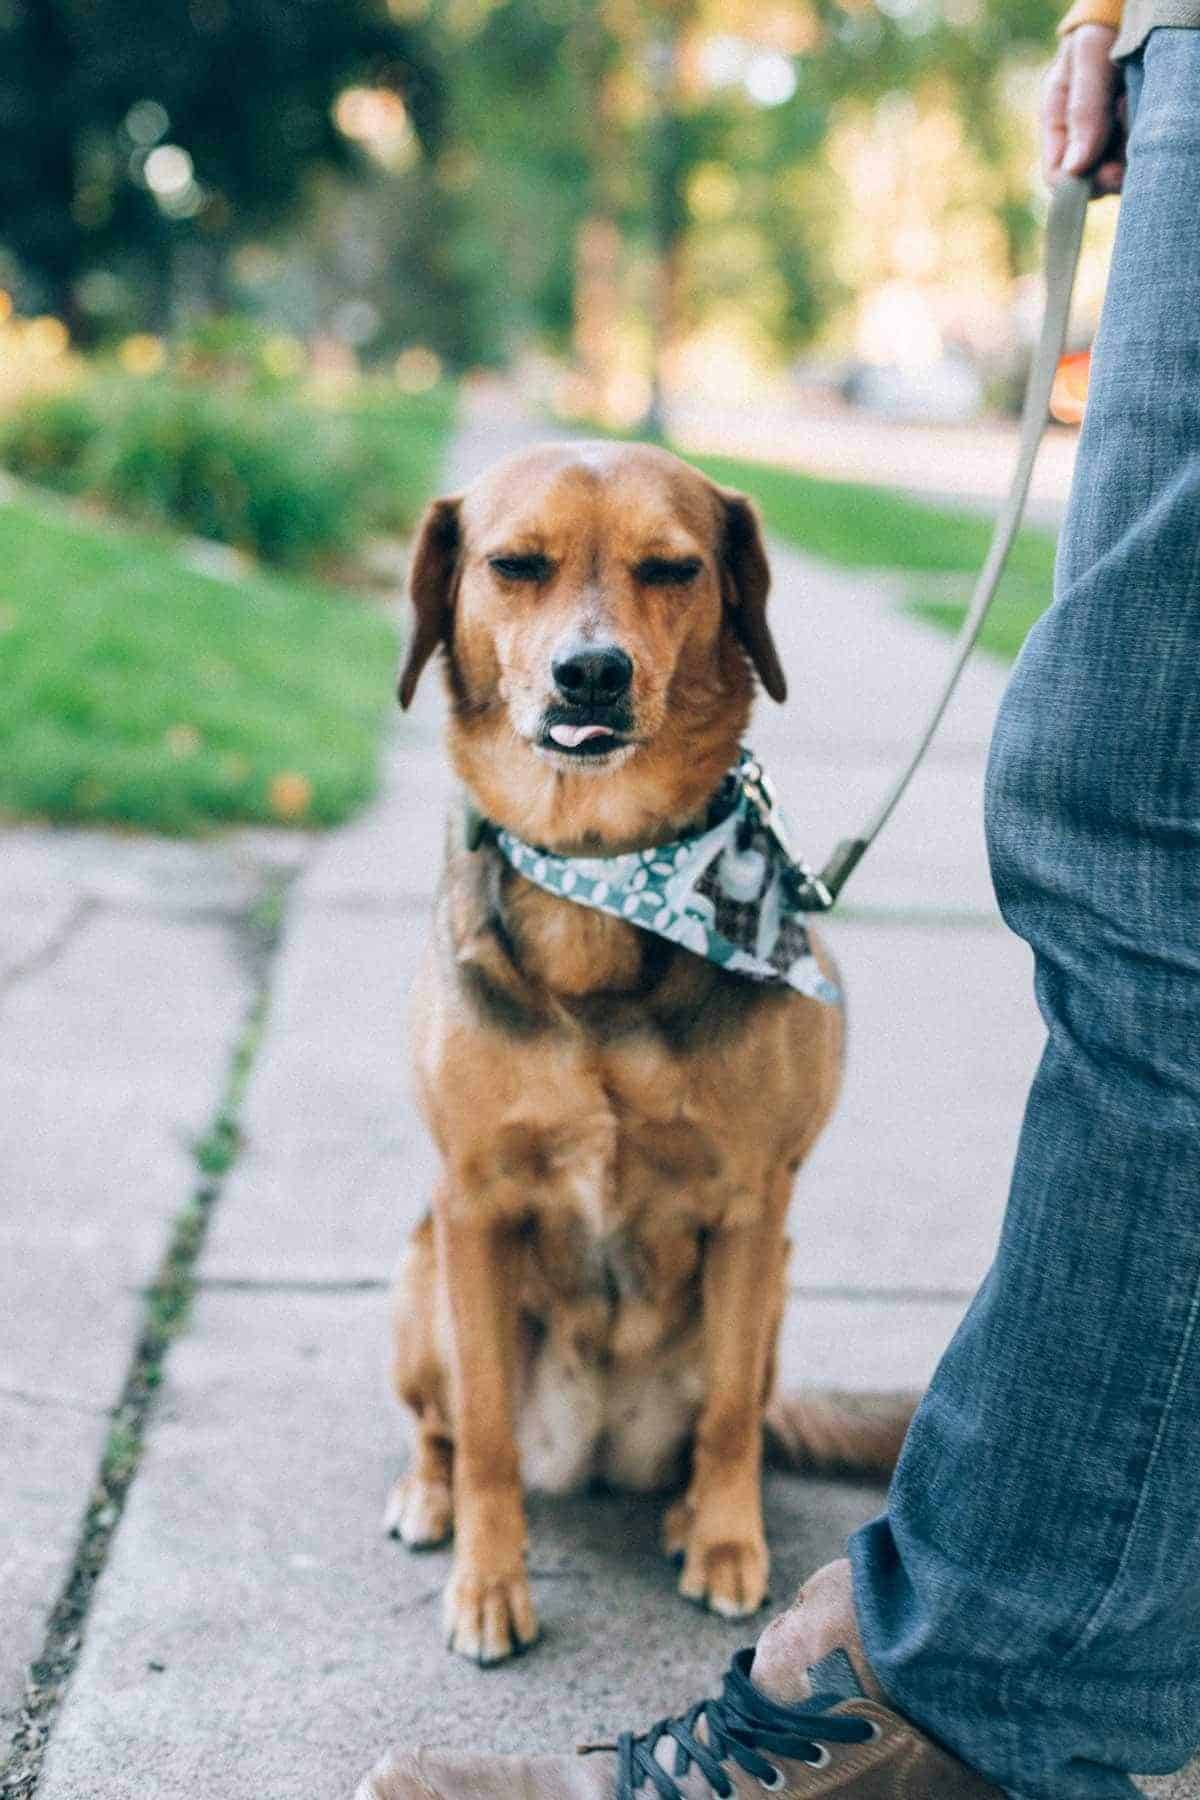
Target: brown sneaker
810	1724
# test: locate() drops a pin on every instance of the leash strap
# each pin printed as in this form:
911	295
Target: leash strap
1064	234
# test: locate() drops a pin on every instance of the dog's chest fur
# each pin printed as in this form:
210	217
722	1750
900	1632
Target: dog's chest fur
626	1116
612	1177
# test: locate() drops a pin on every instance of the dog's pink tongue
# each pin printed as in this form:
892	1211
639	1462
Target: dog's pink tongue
569	736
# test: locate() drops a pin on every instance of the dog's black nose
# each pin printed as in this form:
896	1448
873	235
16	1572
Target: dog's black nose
593	673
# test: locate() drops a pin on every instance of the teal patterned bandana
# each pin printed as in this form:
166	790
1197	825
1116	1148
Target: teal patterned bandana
730	891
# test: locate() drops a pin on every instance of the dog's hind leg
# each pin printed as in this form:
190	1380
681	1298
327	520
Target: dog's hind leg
420	1508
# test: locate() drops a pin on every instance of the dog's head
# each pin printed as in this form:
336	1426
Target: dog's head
601	607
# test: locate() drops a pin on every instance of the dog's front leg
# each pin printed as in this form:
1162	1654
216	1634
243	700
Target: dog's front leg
718	1525
488	1606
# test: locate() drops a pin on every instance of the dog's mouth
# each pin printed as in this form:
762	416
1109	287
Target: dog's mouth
584	735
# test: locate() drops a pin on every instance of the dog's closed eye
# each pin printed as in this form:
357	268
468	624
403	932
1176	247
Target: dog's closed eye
521	568
665	571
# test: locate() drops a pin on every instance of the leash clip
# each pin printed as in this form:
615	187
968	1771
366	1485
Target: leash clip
760	791
811	893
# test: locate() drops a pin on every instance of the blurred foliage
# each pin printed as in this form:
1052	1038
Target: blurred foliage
144	691
231	350
573	165
91	90
520	155
557	110
399	440
253	462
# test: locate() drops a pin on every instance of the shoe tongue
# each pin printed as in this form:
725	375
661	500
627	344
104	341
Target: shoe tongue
833	1679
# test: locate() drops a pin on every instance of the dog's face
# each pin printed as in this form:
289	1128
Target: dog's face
598	605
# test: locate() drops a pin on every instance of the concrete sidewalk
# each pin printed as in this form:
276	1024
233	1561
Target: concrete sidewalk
253	1634
127	970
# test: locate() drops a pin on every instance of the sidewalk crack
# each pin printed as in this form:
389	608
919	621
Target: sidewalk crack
68	1402
49	952
166	1307
886	1296
292	1284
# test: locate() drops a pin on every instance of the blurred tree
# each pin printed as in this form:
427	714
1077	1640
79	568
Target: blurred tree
597	174
597	272
129	131
520	147
866	52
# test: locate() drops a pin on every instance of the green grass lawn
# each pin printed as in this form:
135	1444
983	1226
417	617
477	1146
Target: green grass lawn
940	549
139	690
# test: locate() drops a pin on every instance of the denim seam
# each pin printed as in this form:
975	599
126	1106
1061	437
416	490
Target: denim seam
1092	1626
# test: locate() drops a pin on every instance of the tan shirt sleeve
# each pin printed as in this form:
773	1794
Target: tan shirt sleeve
1092	12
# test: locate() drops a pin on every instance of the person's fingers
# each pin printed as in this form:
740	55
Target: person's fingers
1091	98
1080	112
1055	90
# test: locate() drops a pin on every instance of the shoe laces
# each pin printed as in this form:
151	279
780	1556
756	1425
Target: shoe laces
740	1726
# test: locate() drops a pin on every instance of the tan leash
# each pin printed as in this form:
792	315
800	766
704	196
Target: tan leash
1064	234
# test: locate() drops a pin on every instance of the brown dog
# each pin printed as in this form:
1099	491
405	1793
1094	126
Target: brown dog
599	1288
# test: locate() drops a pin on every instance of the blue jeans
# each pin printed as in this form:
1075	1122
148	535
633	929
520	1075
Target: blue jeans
1032	1595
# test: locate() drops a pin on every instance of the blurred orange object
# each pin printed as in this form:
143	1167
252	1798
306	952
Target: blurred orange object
290	795
1068	396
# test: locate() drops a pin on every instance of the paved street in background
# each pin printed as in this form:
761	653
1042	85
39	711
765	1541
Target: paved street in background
254	1636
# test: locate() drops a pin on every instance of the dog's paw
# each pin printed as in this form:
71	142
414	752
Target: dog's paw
728	1575
488	1618
419	1513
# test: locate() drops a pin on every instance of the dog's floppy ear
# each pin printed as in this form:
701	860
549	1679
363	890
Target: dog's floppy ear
431	580
746	578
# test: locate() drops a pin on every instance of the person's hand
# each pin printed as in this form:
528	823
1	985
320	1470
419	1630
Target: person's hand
1082	111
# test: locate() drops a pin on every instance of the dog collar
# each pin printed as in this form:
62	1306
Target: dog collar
731	891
